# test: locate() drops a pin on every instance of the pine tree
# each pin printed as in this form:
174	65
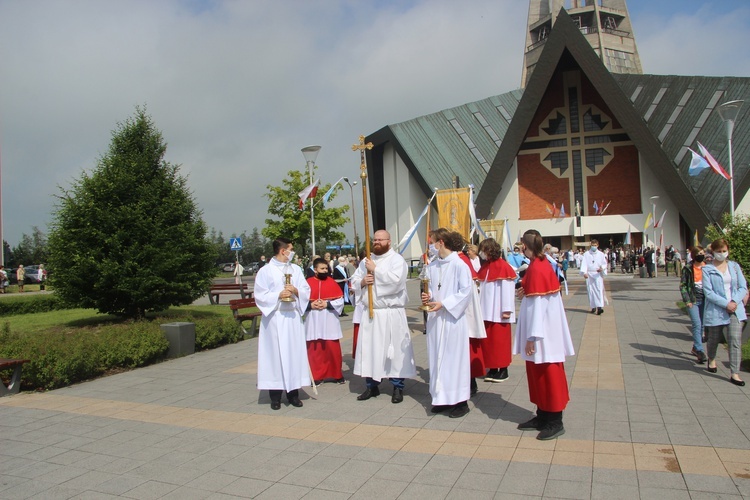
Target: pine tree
128	238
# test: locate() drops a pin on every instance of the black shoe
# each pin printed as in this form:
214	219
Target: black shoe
440	408
293	398
535	424
459	410
343	314
500	375
473	390
398	395
553	426
593	310
740	383
600	311
341	380
370	392
275	405
490	375
700	355
711	370
318	382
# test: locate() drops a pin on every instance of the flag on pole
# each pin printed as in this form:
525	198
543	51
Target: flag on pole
309	192
562	210
328	194
555	211
627	237
661	239
712	161
508	241
660	222
596	208
606	207
697	165
648	222
696	241
548	209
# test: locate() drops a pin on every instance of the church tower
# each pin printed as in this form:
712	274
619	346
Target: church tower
605	24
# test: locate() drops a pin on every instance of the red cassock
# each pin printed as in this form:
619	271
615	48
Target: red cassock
548	386
324	355
497	348
355	335
476	356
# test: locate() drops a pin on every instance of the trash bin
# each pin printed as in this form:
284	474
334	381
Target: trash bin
642	271
181	337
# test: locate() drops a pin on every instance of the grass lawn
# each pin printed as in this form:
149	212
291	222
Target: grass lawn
71	319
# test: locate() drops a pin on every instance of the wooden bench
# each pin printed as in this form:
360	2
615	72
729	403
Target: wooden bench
15	380
228	289
237	305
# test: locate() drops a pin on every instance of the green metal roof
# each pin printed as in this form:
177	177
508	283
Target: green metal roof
686	114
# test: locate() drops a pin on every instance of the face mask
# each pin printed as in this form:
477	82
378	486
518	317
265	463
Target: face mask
482	255
516	251
291	256
721	256
700	258
322	276
593	249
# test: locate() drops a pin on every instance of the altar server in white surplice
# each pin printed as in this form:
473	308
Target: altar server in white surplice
282	351
451	289
384	348
594	269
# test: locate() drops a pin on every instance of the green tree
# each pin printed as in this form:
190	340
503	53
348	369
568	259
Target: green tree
294	223
128	238
737	233
31	250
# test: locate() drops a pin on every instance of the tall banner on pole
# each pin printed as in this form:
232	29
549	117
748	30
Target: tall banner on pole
453	210
494	229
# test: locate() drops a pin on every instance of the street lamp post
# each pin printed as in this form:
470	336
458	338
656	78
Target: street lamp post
354	217
655	257
311	153
728	112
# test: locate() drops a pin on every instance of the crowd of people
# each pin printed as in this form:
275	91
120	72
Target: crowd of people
470	304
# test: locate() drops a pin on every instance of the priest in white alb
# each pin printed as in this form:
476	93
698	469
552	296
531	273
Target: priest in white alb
594	269
282	352
384	348
449	297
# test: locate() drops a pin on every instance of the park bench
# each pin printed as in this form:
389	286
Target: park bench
228	289
237	305
15	381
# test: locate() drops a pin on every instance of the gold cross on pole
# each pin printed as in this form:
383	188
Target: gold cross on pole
361	147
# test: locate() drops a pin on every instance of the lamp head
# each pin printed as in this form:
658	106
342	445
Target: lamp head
729	110
310	153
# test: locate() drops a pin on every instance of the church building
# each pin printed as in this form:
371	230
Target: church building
588	148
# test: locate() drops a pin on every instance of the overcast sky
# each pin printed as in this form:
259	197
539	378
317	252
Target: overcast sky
239	87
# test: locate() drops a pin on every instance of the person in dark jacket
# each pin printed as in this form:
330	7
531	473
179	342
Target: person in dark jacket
691	288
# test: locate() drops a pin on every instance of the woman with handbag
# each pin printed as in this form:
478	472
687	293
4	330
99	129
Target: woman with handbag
691	288
724	288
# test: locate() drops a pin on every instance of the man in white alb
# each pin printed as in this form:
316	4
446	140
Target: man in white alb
594	269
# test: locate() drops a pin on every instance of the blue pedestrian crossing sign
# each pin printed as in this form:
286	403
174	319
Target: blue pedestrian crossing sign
235	243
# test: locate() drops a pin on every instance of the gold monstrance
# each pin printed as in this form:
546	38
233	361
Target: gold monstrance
425	288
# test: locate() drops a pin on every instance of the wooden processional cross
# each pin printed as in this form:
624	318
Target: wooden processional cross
361	147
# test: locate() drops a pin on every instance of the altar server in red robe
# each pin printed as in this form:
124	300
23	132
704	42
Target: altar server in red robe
543	340
322	325
497	295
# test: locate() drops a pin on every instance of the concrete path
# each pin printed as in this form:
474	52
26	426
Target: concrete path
644	421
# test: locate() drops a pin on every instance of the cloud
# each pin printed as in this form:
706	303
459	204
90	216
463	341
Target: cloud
238	88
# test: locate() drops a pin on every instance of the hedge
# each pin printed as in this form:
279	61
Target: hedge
58	359
29	304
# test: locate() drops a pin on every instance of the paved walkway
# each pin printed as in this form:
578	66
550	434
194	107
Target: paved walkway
644	421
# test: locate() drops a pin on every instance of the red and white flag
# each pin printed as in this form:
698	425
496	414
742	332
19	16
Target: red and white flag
712	161
309	192
660	222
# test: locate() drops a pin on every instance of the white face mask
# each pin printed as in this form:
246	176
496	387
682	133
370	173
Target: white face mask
482	255
594	249
291	256
721	256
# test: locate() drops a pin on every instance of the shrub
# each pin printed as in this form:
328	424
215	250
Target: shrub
214	332
30	304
